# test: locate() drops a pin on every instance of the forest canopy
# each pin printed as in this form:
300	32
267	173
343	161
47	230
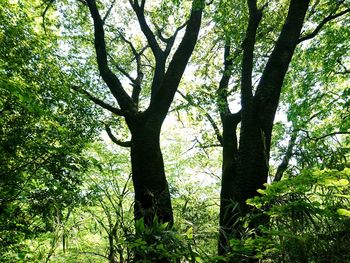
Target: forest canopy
174	131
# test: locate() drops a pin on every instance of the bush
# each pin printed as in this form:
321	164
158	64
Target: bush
308	220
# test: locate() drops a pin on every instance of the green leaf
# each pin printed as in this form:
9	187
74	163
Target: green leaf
261	191
343	212
189	233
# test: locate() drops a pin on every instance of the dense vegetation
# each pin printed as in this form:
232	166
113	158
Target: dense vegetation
174	131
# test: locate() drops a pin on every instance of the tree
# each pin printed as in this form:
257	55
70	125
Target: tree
152	196
246	159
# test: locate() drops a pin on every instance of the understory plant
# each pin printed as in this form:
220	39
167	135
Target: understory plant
306	219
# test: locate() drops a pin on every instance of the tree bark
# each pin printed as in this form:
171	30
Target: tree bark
229	174
152	197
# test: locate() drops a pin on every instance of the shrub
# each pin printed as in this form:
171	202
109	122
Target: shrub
308	219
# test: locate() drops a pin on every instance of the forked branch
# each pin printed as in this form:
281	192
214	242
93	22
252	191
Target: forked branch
163	97
151	38
108	76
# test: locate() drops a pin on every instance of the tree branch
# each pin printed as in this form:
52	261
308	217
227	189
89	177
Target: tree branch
94	253
158	53
222	91
135	82
160	103
207	115
110	79
48	3
170	41
160	62
269	88
282	167
345	69
166	40
133	49
255	16
123	71
108	12
151	39
321	25
99	102
115	140
328	135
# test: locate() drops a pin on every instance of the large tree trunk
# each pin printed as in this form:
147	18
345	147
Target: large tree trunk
252	166
152	197
245	170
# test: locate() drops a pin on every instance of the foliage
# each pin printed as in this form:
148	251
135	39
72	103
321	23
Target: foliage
101	226
43	131
67	197
308	219
165	243
315	98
